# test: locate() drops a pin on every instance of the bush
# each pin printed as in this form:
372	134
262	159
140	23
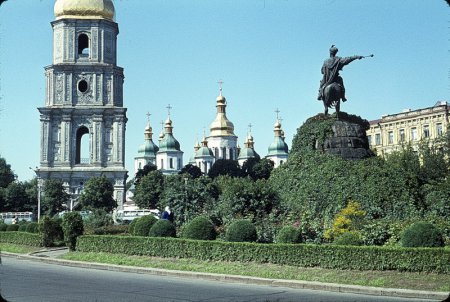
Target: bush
162	228
289	234
3	227
51	231
12	228
200	228
349	238
300	255
241	231
143	225
422	234
32	227
72	225
99	218
21	238
111	230
22	227
132	225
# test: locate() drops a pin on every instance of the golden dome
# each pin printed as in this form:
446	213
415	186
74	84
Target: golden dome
84	9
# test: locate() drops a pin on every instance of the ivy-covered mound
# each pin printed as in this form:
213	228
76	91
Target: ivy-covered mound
345	136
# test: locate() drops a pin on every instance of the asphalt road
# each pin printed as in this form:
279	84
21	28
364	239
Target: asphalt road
25	280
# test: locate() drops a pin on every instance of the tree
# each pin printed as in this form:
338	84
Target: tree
225	167
16	198
6	174
257	168
148	190
192	170
54	197
144	171
98	194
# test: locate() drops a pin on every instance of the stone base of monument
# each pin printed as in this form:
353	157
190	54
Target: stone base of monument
344	136
349	140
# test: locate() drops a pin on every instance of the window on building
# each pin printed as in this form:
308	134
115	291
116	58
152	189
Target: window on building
402	135
83	45
426	131
231	154
162	163
369	139
378	139
224	153
391	137
179	164
216	153
439	129
82	155
414	134
171	163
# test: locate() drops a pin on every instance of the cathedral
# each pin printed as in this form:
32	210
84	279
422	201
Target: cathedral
221	143
83	121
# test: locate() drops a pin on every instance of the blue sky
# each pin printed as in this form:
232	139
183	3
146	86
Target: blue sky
267	52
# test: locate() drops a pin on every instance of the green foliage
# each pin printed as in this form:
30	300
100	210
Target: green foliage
12	228
3	227
193	171
301	255
22	227
132	225
72	225
149	189
289	234
257	168
225	167
54	197
98	194
422	234
188	197
200	228
143	225
162	228
143	172
6	174
436	198
32	227
241	231
16	198
21	238
110	230
99	218
51	231
349	238
375	232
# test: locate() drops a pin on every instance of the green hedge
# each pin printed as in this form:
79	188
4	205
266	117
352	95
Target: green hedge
302	255
22	238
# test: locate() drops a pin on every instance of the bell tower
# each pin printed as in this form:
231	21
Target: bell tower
83	121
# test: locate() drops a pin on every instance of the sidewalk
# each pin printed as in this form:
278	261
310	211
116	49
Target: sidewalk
50	256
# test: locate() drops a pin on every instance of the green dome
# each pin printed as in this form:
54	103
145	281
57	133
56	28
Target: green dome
203	151
169	143
148	148
278	147
247	153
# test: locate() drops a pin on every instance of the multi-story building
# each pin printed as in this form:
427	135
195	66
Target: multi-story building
392	131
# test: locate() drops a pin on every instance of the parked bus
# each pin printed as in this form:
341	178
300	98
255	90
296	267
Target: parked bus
126	216
16	217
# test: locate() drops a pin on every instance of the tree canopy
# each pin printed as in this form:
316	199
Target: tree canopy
98	194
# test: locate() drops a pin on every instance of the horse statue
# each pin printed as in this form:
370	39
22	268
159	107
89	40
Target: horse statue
332	95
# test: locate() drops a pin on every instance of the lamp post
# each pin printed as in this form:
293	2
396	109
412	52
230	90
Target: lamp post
39	188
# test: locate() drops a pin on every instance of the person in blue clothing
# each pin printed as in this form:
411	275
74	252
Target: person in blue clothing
167	214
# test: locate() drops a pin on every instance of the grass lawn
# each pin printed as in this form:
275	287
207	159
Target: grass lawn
18	249
392	279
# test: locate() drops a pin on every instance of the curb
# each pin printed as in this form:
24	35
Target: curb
332	287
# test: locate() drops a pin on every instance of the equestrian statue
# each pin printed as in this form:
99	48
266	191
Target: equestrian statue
332	89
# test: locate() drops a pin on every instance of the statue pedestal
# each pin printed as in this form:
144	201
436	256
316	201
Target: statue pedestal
348	140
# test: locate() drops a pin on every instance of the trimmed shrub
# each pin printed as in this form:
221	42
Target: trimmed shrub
289	234
422	234
32	227
51	231
72	225
22	227
21	238
348	238
12	228
3	227
200	228
143	225
162	228
111	230
241	231
300	255
132	225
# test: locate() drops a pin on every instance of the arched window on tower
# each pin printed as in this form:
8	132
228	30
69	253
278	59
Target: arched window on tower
82	155
83	45
231	154
224	152
216	153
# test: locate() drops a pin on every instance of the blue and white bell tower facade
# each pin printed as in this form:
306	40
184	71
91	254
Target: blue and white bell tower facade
83	121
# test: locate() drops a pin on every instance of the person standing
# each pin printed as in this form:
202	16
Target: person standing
167	214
